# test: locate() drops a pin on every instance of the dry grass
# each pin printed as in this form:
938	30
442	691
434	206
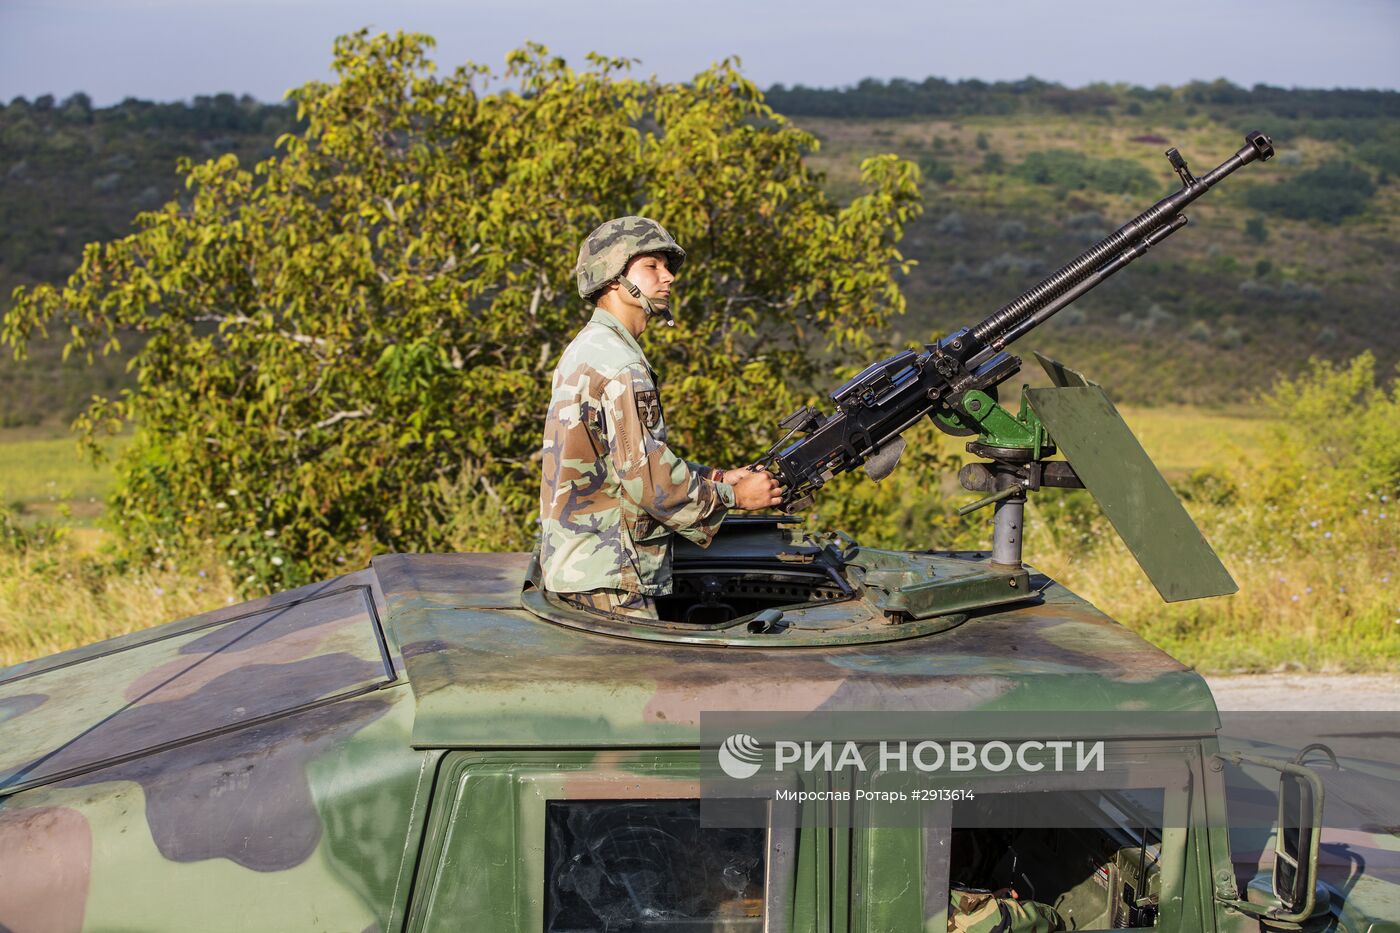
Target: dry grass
63	595
1319	585
1312	597
1332	604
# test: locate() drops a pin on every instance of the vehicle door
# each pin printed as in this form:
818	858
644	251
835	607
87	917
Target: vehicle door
575	841
1110	849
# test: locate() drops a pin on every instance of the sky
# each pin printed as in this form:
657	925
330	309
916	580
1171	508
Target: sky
175	49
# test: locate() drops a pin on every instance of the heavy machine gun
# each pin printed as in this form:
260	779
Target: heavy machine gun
954	383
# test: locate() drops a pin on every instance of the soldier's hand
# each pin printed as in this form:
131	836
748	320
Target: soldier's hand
754	489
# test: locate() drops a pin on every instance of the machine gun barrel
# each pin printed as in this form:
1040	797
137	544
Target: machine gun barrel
1090	281
994	330
948	380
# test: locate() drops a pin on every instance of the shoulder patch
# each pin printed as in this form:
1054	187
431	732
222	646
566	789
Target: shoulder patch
649	407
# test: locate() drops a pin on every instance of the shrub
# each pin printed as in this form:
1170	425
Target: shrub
1329	193
1352	438
1069	170
993	163
346	340
936	170
20	537
1384	154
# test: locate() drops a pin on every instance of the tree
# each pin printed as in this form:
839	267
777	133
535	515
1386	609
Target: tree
348	347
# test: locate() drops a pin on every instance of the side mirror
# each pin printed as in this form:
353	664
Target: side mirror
1295	851
1300	796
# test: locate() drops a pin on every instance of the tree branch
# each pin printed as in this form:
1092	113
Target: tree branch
342	416
303	339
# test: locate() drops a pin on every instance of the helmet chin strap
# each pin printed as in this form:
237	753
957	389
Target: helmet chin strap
661	309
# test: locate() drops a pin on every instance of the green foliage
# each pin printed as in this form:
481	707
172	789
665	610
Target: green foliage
1069	170
1384	154
936	170
939	97
348	347
1210	484
1329	193
1254	229
993	163
54	197
1329	472
909	509
71	174
20	537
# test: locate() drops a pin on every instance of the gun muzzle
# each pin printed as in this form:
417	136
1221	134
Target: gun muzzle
1262	146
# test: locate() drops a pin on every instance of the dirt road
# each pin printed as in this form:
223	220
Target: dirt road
1319	692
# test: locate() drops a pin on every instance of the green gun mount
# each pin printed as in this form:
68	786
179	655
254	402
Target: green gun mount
1076	418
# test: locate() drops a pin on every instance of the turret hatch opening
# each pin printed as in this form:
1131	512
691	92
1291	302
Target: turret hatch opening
766	581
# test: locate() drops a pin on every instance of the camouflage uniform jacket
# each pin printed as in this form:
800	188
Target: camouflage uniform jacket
612	492
984	912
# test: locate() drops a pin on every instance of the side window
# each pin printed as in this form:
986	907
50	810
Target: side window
563	842
649	865
1087	859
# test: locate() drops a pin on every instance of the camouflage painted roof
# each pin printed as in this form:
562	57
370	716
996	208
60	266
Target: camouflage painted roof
102	704
485	672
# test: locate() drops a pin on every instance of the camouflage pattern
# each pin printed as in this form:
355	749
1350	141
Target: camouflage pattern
612	492
378	753
193	775
606	251
984	912
615	603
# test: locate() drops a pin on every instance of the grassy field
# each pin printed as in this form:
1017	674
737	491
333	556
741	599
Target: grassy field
1181	439
42	475
1328	604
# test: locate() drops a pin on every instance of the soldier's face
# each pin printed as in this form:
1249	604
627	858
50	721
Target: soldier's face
651	272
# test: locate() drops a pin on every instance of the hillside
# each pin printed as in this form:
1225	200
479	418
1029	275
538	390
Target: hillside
71	174
1286	260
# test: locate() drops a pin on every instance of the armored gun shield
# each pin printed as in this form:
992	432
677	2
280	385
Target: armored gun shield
1125	483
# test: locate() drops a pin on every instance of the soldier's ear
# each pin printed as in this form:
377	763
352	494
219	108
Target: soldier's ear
597	297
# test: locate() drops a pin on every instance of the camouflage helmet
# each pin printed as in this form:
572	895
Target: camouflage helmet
606	251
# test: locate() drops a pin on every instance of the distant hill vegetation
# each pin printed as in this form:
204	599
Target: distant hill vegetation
938	97
1290	259
1287	260
72	174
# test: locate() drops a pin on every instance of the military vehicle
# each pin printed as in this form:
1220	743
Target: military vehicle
434	743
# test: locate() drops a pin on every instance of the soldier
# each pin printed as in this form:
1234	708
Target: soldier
612	492
971	911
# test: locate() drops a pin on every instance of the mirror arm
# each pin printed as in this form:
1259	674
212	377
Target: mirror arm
1269	915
